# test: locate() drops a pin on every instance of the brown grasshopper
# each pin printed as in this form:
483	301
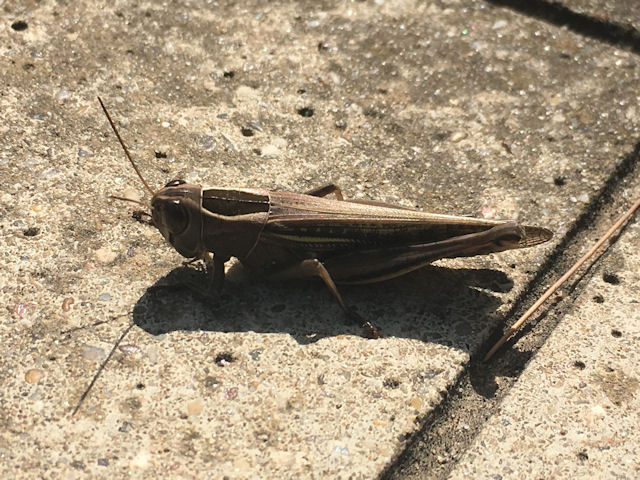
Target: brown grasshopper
292	235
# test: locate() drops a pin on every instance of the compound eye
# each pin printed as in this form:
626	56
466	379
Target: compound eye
176	218
174	183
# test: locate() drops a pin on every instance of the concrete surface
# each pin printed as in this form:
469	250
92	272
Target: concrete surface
455	107
575	410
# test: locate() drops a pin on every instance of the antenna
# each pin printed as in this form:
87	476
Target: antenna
124	199
124	147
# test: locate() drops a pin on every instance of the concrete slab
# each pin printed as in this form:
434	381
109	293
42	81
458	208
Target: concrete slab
574	411
457	108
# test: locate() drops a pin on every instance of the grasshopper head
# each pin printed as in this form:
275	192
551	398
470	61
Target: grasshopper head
175	210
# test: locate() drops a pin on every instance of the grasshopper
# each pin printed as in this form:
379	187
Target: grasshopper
291	235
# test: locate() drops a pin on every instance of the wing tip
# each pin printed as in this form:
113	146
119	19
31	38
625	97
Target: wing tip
534	236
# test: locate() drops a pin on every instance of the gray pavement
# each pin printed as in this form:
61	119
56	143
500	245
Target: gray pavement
456	107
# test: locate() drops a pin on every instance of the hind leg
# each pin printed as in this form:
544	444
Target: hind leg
315	268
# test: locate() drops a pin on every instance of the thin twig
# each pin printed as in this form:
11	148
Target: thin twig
104	364
550	291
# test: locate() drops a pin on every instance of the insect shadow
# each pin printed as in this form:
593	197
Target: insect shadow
435	304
